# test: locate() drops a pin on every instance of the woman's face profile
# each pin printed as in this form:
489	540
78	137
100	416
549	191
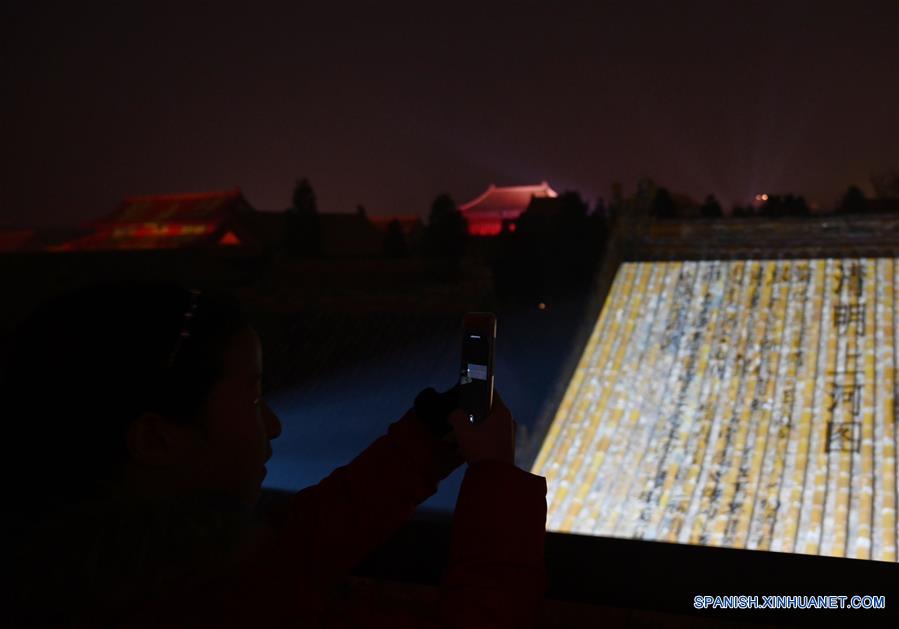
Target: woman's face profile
238	424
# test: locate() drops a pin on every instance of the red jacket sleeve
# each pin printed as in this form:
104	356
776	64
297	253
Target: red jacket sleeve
285	573
497	573
331	527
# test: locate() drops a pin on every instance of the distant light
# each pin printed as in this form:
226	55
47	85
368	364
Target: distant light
761	197
541	306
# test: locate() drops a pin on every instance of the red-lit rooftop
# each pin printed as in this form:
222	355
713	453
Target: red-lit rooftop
487	212
177	208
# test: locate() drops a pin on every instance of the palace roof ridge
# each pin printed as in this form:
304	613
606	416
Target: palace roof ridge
543	187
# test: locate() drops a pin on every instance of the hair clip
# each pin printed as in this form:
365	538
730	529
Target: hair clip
185	332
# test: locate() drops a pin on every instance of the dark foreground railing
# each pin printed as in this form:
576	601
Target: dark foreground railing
661	577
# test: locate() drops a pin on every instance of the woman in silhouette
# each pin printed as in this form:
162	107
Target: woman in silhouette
137	437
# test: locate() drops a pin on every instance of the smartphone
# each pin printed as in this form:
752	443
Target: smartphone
476	373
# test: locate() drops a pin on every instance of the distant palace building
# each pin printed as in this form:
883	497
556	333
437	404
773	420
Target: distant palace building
169	221
486	213
218	220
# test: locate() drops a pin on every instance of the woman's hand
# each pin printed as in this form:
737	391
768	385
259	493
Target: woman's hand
494	438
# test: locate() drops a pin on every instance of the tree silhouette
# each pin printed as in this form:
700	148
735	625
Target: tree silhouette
853	201
445	239
395	241
599	225
784	205
574	249
663	205
303	199
553	251
302	226
446	235
616	204
617	195
361	211
524	272
710	208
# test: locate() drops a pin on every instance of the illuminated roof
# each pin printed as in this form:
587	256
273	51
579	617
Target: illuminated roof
486	213
229	239
163	221
177	208
510	199
140	236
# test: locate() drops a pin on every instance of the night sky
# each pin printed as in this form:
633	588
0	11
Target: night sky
389	105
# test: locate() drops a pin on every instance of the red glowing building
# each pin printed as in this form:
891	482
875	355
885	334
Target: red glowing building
220	220
167	222
486	213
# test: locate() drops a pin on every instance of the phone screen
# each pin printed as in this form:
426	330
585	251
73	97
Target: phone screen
475	377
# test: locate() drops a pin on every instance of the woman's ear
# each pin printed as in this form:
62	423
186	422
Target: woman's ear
155	441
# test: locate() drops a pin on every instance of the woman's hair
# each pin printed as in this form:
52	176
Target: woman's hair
84	365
